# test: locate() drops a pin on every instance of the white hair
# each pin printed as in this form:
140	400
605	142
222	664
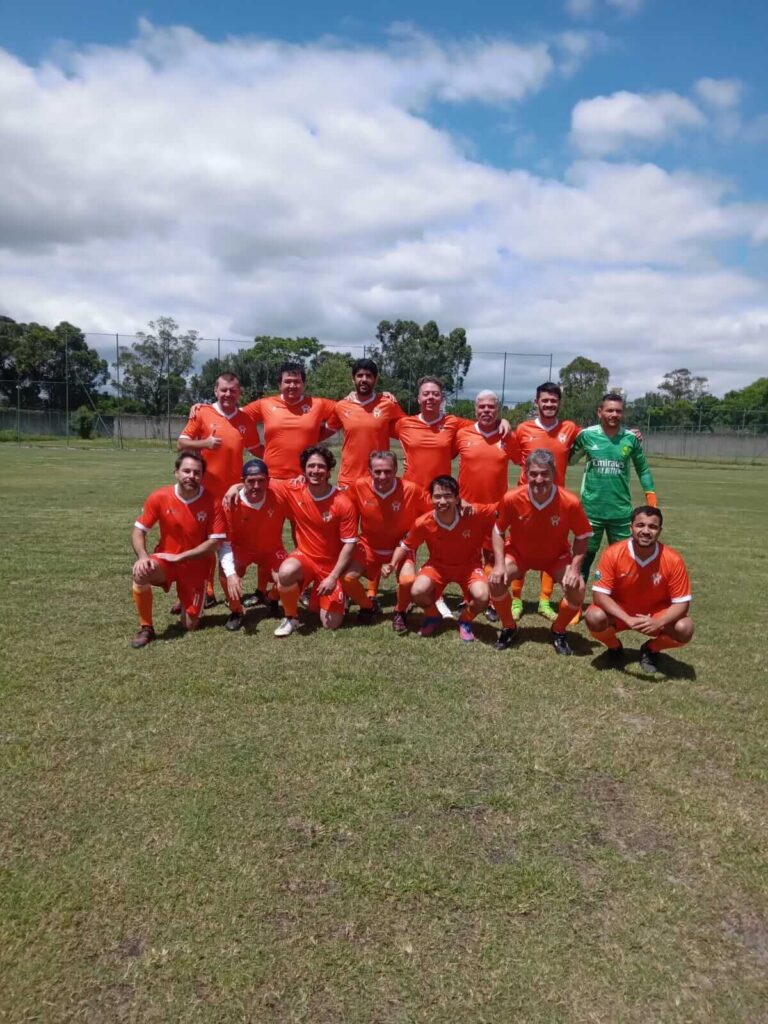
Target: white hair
487	394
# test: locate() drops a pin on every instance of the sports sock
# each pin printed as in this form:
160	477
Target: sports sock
211	577
547	586
503	606
467	615
431	612
404	585
355	591
517	588
564	616
264	579
663	642
289	599
373	583
607	637
142	598
234	606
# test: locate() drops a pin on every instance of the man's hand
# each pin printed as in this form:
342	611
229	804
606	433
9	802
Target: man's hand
505	428
142	569
235	587
167	556
571	577
327	586
387	569
466	511
646	625
497	577
638	433
231	498
213	441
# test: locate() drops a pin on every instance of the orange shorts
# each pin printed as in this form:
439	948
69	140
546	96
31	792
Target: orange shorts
190	579
270	560
315	573
442	576
620	626
524	565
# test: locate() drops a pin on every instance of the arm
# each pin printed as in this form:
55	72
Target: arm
572	574
201	551
644	473
343	562
143	564
577	451
227	562
498	573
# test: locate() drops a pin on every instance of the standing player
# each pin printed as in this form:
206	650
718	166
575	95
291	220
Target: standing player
641	585
325	521
388	508
255	537
545	431
542	516
292	422
221	433
191	529
454	544
610	450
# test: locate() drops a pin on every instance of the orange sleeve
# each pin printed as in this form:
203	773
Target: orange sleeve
334	420
149	514
679	582
193	428
348	520
253	410
219	528
605	573
578	522
512	447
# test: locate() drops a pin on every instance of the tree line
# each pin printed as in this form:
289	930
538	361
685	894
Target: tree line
156	376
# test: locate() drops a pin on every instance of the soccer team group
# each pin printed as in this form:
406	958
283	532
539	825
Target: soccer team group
477	532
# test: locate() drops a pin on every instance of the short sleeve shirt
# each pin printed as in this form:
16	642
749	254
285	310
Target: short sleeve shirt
288	430
183	524
540	533
367	428
642	586
223	465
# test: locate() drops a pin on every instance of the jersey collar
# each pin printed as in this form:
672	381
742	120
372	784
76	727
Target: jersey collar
642	562
323	497
541	426
250	504
221	412
187	501
485	433
452	526
431	423
544	504
368	401
385	494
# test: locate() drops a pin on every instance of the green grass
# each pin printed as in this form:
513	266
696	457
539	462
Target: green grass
356	827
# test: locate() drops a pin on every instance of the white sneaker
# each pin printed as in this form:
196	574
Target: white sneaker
443	608
287	626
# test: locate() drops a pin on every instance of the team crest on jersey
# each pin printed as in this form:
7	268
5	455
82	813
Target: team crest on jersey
377	412
562	438
597	574
241	428
656	579
555	520
270	512
327	516
467	534
201	517
305	408
396	506
626	449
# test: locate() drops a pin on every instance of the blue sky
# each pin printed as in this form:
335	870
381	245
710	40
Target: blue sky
582	177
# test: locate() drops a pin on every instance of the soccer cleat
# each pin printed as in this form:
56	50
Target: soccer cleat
234	622
546	609
560	643
491	614
517	608
287	626
145	635
305	597
615	657
430	625
443	608
399	624
257	597
507	639
576	618
210	601
466	633
649	660
176	608
274	609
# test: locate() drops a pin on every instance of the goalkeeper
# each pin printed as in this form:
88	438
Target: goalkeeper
605	492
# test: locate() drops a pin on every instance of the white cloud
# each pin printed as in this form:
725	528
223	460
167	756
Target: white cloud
607	124
583	9
253	186
721	93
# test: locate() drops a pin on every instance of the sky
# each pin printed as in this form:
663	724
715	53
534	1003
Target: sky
582	177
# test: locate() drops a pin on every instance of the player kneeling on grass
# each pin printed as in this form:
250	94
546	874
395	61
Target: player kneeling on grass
643	585
191	529
325	521
255	537
541	517
454	542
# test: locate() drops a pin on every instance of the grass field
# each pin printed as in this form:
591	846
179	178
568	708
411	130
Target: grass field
362	828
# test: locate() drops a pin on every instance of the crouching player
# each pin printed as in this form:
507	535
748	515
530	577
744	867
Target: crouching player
541	516
643	585
191	529
454	542
255	537
325	521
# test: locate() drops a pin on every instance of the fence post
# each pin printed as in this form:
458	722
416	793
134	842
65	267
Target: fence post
218	354
550	366
503	380
168	386
119	397
18	415
66	382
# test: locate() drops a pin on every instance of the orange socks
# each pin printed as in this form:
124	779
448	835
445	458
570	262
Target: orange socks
355	591
607	637
547	586
663	643
142	598
264	579
503	606
289	599
404	585
564	616
373	584
517	589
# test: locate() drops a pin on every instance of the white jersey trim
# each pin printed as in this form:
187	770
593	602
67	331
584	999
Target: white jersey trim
642	562
544	504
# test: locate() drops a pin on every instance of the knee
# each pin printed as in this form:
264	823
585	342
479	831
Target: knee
596	619
683	630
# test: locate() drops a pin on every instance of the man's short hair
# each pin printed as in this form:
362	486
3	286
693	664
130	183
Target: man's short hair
610	396
429	380
292	368
365	364
647	510
448	482
386	454
188	453
318	449
487	393
542	457
551	389
229	377
255	467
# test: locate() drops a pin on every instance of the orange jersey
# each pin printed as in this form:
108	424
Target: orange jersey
540	533
385	520
428	447
456	549
484	463
183	524
367	428
288	430
257	530
642	586
223	465
557	439
322	525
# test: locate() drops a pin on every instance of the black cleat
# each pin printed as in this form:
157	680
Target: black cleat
210	601
491	615
234	622
257	597
560	643
145	635
176	608
274	609
507	639
649	660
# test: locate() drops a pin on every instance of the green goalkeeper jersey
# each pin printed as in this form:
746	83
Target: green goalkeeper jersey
605	491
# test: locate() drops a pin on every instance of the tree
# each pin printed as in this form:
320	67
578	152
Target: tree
683	384
258	366
331	375
405	352
154	370
583	382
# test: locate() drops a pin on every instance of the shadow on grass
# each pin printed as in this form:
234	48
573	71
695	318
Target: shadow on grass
669	668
